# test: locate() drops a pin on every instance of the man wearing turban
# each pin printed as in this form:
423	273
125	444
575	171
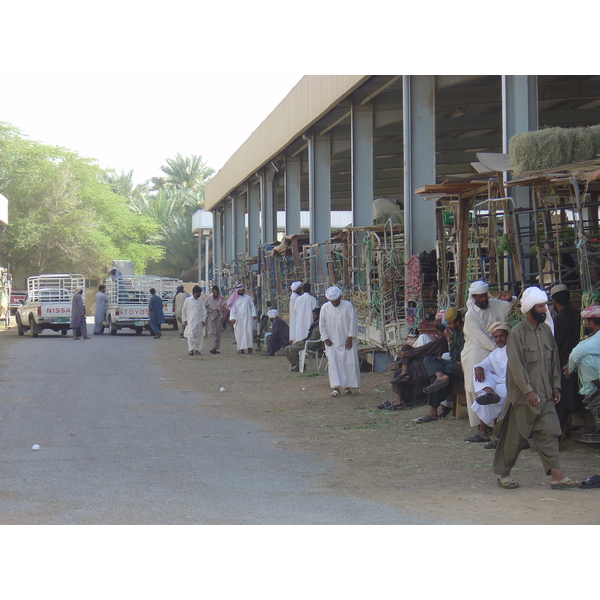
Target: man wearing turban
303	312
339	327
482	311
533	388
280	333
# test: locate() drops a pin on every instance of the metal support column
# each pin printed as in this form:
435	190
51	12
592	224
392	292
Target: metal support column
228	232
217	247
239	225
319	148
253	195
362	164
292	196
419	161
267	207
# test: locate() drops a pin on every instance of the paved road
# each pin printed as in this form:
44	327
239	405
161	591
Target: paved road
118	447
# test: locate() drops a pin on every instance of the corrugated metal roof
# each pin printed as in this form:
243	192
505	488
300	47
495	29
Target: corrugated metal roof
307	102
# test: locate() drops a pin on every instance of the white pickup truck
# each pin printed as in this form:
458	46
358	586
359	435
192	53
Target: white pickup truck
128	297
47	304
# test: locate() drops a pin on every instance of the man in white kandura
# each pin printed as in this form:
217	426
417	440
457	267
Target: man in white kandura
339	327
305	304
193	317
242	314
296	288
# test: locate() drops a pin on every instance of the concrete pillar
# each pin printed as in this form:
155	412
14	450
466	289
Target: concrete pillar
267	207
228	232
362	164
319	195
253	209
239	225
292	196
519	114
419	161
217	246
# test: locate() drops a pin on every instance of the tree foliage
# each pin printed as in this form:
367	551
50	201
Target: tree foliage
63	214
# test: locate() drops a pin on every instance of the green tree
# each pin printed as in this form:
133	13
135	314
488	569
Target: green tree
63	216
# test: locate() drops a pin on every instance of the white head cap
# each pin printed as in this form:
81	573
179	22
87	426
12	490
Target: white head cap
333	293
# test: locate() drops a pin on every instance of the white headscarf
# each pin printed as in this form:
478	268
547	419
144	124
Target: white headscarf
532	296
295	285
478	287
273	313
333	293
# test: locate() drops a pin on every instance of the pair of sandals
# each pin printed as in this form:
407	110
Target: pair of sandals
337	392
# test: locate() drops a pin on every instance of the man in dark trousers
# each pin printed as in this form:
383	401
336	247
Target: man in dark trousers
567	328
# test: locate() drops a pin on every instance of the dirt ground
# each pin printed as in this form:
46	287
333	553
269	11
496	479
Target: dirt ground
425	469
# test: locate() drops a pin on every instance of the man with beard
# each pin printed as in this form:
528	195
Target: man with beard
216	308
482	311
585	357
533	388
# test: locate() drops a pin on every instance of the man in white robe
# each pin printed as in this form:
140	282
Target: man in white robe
305	304
339	327
296	288
482	311
242	316
489	380
193	317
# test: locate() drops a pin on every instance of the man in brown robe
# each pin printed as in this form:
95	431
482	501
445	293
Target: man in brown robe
533	388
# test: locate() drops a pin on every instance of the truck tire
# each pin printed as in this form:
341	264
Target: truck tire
112	327
32	328
20	329
63	332
138	330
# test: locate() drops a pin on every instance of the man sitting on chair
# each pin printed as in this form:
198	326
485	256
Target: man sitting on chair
489	380
292	352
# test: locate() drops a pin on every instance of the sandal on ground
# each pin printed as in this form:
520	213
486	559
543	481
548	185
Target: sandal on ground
590	483
564	484
241	352
395	407
385	405
492	445
191	353
444	412
197	352
348	390
477	438
508	483
425	419
335	393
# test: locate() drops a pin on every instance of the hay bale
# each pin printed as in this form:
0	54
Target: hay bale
552	147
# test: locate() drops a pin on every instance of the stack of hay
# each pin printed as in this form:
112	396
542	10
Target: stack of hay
552	147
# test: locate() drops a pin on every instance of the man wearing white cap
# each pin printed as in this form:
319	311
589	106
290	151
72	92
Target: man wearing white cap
585	357
193	318
482	311
280	333
533	388
242	314
296	288
339	327
489	379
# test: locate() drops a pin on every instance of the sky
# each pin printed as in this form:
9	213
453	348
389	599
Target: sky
132	83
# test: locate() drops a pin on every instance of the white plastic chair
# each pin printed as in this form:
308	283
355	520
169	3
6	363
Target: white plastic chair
317	353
